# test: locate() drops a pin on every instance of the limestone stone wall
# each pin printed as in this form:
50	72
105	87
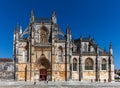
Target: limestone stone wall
104	75
88	75
75	76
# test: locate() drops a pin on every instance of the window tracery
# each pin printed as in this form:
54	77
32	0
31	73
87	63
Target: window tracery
104	64
89	64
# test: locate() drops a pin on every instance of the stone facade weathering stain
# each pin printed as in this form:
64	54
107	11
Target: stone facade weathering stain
43	52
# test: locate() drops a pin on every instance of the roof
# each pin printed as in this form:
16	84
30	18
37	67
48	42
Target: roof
5	60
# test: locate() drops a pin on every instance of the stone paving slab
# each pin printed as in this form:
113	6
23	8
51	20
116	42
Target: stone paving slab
73	86
58	85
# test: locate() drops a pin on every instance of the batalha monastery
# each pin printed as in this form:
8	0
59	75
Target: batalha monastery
42	52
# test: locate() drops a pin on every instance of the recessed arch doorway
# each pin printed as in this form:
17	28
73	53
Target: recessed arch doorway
43	65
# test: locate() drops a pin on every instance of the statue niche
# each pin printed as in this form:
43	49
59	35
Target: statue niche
44	35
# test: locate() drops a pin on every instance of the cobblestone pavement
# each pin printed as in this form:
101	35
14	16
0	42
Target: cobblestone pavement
71	84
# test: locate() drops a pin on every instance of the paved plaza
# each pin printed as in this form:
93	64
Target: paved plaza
8	84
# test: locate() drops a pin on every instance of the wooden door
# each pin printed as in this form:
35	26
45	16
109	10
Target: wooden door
43	75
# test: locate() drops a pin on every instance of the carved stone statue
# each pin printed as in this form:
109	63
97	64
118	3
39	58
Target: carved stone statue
44	35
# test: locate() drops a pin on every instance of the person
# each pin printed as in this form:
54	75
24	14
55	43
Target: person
91	80
35	82
47	81
99	80
104	80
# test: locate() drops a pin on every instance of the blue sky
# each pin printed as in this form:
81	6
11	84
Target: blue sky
98	18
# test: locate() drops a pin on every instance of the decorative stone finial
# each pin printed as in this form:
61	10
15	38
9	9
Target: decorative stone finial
32	16
54	18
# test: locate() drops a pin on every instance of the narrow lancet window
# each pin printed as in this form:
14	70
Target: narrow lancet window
74	64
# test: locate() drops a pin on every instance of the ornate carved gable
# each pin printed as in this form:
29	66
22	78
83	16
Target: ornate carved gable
43	62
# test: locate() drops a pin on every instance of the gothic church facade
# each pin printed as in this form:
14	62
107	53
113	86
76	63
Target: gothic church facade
43	52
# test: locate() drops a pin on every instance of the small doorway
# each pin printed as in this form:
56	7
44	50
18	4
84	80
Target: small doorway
43	75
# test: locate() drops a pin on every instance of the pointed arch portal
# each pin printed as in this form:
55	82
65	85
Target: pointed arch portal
43	65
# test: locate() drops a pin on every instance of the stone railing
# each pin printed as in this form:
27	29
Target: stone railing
43	44
85	53
45	20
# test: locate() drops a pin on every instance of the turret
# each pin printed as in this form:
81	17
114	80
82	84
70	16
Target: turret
54	18
68	35
32	16
14	35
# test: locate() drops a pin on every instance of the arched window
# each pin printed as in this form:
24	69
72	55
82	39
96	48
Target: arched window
104	64
60	53
43	34
74	64
89	64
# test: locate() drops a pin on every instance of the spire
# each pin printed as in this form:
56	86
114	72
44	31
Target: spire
17	28
68	31
97	50
80	37
54	13
32	13
20	29
110	45
14	35
32	16
54	18
110	49
67	34
70	34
